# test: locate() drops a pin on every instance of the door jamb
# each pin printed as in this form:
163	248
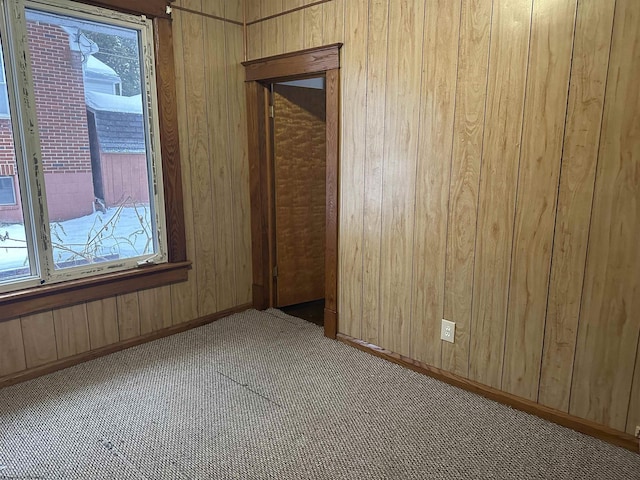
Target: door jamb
321	61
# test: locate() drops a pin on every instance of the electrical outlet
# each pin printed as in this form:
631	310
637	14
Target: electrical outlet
448	331
637	431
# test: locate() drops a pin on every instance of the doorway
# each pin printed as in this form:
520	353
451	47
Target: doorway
269	283
298	132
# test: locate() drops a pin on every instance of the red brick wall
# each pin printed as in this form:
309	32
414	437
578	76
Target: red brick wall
62	120
60	103
9	213
7	153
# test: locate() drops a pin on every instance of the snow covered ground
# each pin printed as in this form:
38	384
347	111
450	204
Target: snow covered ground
119	233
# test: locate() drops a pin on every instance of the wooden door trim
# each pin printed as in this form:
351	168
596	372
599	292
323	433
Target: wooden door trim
312	61
322	61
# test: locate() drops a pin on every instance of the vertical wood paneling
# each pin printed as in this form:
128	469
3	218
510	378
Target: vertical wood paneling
128	315
582	134
234	10
543	128
272	30
503	127
293	26
11	348
155	309
46	337
219	160
198	142
374	143
354	70
253	8
72	330
440	64
403	92
333	22
39	336
313	26
102	316
609	323
184	296
475	28
254	41
212	7
237	133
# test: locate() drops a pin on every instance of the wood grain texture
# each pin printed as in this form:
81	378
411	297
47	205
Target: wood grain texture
609	323
39	336
72	330
313	24
290	64
499	174
193	33
12	357
219	161
633	417
151	8
403	92
45	340
128	315
184	296
169	140
473	55
332	88
239	167
545	107
102	317
592	43
53	366
351	203
254	41
57	295
155	309
234	10
378	34
293	27
299	131
253	9
433	173
333	22
273	29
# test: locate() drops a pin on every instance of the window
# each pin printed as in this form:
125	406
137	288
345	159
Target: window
87	160
7	191
4	99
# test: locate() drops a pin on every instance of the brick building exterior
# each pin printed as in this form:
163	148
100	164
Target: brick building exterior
64	134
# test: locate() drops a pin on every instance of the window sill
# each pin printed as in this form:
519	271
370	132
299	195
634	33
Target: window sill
65	294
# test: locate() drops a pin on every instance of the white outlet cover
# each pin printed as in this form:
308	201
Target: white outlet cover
448	331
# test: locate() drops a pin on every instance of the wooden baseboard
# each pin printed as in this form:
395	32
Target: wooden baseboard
587	427
32	373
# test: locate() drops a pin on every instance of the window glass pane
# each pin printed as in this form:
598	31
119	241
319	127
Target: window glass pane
4	100
89	103
14	254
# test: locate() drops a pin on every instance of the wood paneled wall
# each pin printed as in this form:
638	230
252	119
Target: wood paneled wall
490	175
213	142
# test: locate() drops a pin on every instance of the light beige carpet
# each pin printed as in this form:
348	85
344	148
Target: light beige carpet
264	395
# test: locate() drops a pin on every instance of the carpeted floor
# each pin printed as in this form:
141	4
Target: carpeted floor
265	395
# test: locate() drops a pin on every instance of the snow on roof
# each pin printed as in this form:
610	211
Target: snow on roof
95	67
106	102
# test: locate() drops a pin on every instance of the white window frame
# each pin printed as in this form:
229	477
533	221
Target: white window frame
27	145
